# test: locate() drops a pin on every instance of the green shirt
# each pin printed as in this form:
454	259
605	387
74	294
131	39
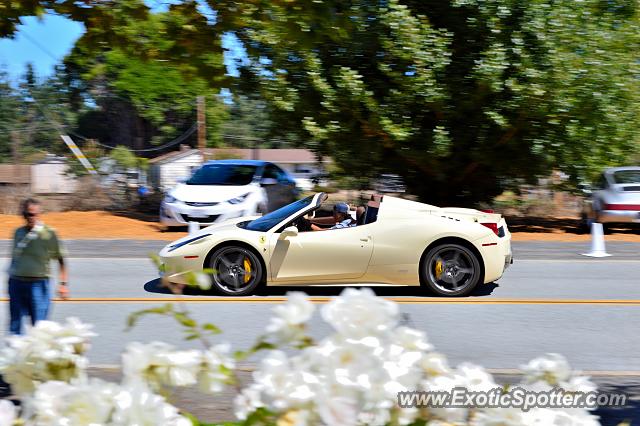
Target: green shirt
33	260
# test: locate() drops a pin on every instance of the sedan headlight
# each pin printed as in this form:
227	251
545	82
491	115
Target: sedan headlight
169	199
238	200
184	243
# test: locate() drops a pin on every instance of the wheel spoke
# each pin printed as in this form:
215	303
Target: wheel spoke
465	270
239	259
454	282
226	261
236	279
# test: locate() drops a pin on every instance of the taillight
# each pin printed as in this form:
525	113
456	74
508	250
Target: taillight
492	226
635	207
487	211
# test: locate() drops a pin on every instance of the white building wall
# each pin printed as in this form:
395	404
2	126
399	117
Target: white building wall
51	178
173	171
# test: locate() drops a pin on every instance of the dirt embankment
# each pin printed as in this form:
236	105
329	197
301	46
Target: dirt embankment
94	225
105	225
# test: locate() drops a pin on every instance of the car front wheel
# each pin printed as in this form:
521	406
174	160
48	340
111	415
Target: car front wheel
237	271
450	270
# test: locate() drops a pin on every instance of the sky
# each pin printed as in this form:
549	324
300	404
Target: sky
51	33
46	40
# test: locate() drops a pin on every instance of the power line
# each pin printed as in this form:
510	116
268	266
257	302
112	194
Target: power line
39	46
176	141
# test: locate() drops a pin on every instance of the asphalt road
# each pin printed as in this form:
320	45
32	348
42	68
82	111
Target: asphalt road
551	300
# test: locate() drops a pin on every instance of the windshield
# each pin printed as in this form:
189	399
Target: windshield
270	220
627	176
223	174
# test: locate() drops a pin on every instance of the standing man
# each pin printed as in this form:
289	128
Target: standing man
34	245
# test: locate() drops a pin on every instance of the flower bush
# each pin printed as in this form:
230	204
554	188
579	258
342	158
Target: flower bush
350	377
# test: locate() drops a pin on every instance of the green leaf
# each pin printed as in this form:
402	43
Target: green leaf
211	328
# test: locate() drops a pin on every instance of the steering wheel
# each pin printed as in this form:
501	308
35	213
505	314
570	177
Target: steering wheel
302	224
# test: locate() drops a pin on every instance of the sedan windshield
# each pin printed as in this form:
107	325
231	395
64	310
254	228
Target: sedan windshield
270	220
223	174
627	176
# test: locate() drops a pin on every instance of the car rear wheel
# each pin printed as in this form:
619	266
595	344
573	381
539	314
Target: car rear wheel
237	271
450	270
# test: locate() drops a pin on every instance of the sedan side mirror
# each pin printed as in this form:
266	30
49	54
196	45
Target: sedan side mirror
290	231
585	188
268	181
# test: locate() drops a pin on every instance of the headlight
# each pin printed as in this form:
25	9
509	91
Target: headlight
169	199
238	200
184	243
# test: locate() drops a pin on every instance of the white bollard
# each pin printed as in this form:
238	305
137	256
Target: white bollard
193	227
597	242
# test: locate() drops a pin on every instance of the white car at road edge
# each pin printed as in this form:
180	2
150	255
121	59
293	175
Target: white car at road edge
227	189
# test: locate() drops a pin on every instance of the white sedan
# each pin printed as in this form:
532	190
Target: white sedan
227	189
615	197
398	242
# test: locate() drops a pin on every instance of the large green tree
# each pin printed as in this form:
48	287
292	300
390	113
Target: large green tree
462	98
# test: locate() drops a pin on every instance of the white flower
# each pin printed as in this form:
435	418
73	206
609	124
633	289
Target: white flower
48	351
287	326
284	384
411	339
551	368
159	363
203	281
338	411
248	401
359	313
556	417
7	412
136	405
435	364
502	417
474	378
60	403
217	364
578	384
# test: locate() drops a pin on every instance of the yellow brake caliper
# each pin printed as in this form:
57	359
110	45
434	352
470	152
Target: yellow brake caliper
247	270
439	269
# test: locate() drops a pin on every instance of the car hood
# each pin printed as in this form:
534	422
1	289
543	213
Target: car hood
209	193
231	224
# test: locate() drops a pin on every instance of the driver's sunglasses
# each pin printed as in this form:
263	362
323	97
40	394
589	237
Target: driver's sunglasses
29	214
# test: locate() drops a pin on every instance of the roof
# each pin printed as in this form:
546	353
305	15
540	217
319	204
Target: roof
274	155
256	163
172	156
10	173
620	169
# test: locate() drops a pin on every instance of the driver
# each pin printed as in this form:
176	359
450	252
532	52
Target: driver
341	218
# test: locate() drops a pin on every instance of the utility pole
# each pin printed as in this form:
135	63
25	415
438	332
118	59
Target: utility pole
202	124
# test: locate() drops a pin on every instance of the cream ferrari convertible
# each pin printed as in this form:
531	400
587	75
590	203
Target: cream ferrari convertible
395	241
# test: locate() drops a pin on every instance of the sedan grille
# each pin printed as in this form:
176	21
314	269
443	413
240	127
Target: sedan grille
196	204
205	219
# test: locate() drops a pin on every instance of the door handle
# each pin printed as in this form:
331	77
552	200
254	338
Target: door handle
364	239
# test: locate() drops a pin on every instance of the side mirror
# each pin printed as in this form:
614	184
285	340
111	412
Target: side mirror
585	188
290	231
268	181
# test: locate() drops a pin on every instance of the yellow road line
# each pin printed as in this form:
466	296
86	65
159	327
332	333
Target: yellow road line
403	300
